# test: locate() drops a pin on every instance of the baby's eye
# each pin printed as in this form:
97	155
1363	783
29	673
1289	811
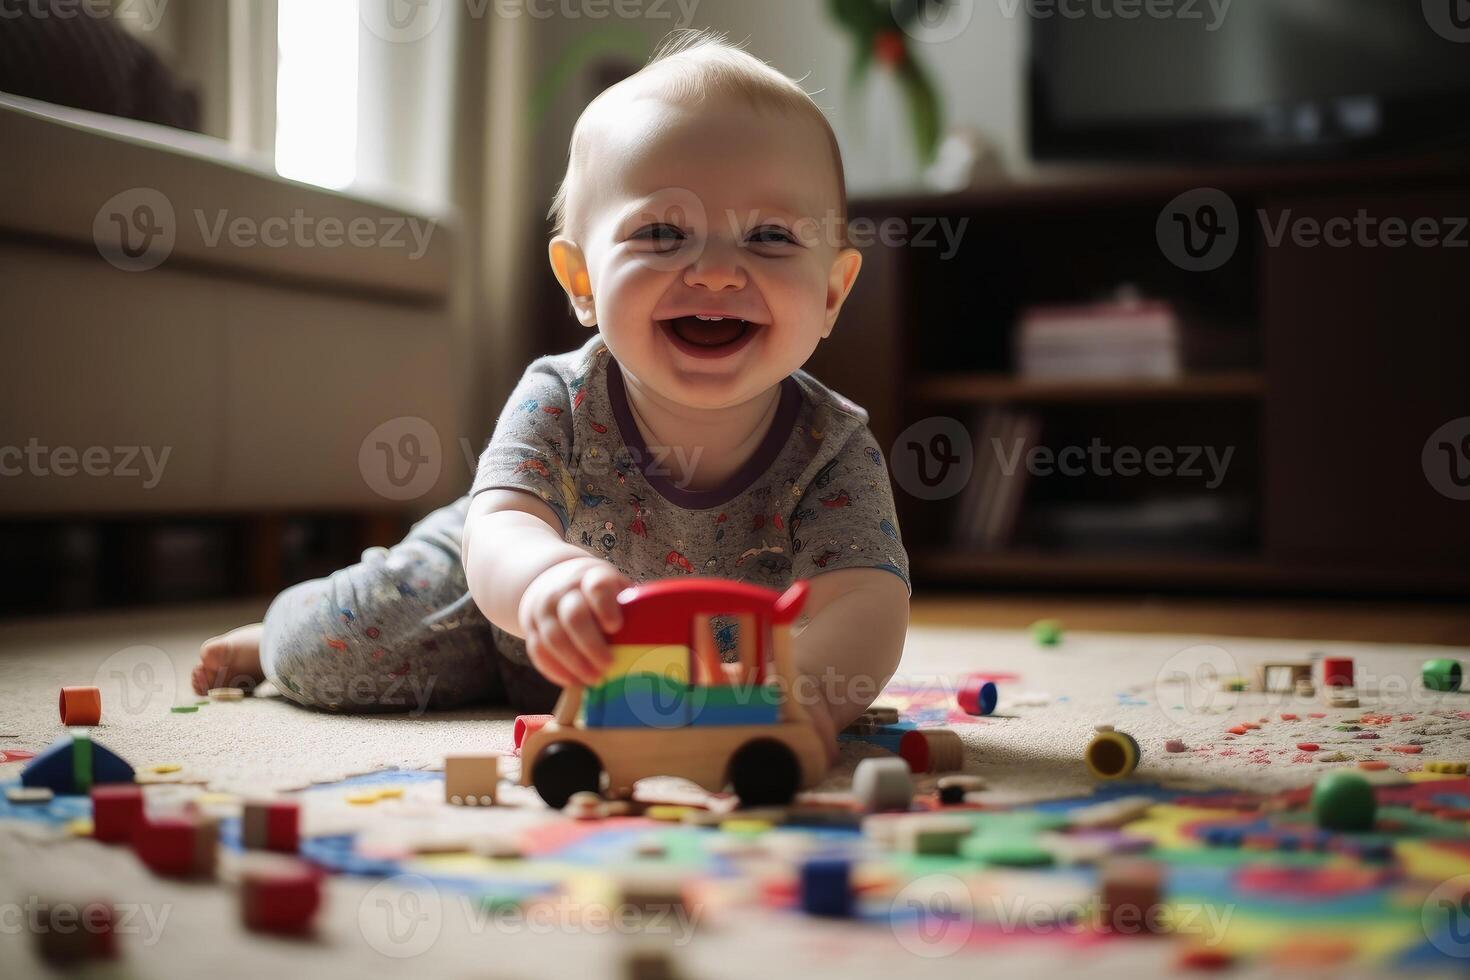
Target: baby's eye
772	235
664	235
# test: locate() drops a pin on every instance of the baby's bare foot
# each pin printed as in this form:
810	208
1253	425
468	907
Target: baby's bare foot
229	660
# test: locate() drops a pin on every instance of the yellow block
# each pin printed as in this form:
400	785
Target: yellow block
668	661
667	811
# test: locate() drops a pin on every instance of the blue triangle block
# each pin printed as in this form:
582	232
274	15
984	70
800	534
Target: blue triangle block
55	767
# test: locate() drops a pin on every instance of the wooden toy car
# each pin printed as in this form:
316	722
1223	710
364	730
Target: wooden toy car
670	706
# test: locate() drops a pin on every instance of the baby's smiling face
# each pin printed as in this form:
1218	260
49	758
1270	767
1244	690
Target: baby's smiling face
724	210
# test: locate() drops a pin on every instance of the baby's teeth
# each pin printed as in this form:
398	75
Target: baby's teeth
700	316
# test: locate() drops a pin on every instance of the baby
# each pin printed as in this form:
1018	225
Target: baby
699	234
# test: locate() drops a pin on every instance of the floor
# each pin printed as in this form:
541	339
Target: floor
1135	664
1292	619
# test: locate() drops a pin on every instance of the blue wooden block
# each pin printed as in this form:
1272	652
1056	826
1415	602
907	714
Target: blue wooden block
826	887
55	767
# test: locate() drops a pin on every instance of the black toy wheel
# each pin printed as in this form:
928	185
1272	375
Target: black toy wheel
564	768
765	773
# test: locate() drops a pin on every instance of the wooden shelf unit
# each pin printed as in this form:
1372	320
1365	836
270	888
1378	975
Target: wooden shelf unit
1356	355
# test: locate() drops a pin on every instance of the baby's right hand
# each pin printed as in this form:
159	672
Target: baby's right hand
565	614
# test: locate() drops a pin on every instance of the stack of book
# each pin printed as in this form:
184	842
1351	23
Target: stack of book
1120	339
990	504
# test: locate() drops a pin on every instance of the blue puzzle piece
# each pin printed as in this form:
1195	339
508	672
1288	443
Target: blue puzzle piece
57	767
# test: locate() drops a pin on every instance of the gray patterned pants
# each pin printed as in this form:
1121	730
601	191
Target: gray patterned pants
396	632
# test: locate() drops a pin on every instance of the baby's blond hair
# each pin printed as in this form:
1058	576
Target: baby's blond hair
689	67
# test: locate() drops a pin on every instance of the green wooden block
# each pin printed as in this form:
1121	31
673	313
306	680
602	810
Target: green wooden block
81	763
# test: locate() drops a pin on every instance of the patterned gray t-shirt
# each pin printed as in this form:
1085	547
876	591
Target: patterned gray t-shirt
813	497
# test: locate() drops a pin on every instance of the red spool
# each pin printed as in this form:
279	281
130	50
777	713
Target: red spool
81	706
528	725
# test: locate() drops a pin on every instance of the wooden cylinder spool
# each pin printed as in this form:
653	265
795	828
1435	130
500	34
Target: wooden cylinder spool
81	706
932	750
526	725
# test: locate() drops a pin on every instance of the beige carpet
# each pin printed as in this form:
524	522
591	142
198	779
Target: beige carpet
1155	687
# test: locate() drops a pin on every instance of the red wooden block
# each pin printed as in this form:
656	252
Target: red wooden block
1132	893
279	895
117	811
283	826
1337	671
271	825
177	847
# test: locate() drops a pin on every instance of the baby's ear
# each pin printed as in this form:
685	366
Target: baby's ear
570	268
839	283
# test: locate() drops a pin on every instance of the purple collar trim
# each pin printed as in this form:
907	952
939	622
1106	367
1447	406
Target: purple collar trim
759	462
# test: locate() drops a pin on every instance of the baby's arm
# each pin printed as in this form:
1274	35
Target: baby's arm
532	584
850	645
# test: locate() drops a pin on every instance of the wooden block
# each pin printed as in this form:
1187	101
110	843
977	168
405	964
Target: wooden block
651	890
933	833
470	779
1132	895
649	964
117	811
1282	676
226	694
178	846
1110	814
826	887
279	894
29	794
89	936
271	825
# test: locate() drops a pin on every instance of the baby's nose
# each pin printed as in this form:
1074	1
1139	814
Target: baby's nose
718	266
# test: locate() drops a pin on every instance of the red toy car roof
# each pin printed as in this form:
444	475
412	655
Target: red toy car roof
661	612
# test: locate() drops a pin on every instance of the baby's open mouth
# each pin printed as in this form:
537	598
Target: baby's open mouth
709	336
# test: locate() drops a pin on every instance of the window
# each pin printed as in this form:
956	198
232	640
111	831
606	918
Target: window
316	91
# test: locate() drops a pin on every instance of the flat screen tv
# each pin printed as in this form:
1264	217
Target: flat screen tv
1192	81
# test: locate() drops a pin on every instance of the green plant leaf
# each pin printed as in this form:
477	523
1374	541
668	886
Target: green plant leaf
924	109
